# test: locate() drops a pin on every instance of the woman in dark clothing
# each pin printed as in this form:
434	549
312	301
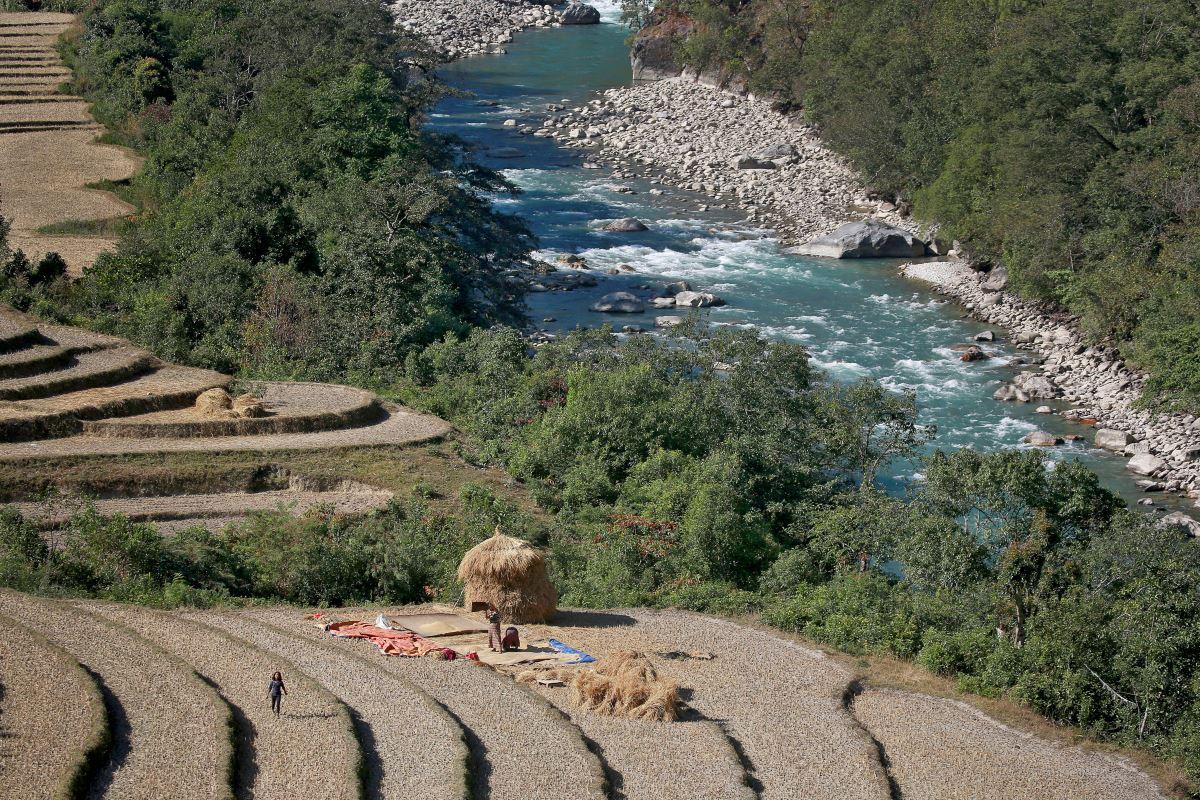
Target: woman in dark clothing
276	690
495	640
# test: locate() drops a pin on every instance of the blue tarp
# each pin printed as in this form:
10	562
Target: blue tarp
582	657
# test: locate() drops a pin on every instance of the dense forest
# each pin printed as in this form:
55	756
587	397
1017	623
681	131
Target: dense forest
295	220
1060	139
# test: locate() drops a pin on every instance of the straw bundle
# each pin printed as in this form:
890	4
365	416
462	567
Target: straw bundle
624	684
214	401
511	575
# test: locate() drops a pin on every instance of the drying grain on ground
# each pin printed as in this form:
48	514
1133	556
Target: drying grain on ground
159	708
419	752
311	751
522	747
807	747
941	749
52	719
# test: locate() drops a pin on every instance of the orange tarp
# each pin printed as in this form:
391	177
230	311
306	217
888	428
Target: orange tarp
390	643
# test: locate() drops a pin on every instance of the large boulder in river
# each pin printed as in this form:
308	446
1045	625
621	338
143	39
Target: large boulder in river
1145	464
579	14
867	239
624	225
1041	439
619	303
697	300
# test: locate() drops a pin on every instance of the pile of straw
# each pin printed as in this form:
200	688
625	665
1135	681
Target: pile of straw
624	684
509	574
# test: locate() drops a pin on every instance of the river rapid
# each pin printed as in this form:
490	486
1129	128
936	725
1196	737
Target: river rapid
857	318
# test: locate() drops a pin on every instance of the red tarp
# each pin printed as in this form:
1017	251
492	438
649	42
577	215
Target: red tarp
390	643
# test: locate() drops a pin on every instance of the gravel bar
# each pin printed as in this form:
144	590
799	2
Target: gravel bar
942	749
522	747
52	718
420	752
159	707
310	751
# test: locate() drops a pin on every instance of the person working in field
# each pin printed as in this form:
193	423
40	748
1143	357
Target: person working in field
276	690
495	640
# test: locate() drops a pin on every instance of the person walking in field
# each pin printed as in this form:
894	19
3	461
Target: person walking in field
495	640
276	690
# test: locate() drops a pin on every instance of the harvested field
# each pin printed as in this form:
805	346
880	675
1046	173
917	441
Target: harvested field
220	507
48	153
418	750
807	747
167	387
399	426
310	751
942	749
291	408
34	359
89	370
159	708
53	725
521	746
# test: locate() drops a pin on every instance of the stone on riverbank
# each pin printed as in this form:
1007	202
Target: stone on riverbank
867	239
1182	520
1109	439
1145	464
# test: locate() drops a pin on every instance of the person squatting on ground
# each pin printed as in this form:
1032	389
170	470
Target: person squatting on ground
495	640
276	690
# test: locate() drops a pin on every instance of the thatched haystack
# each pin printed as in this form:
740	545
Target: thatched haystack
511	575
214	401
624	684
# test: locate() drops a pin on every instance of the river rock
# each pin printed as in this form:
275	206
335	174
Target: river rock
579	14
1041	439
619	303
668	322
697	300
1109	439
1145	464
778	152
985	336
674	288
867	239
752	162
973	353
624	225
997	280
663	302
1038	387
1182	520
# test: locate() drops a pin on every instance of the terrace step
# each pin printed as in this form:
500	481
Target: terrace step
312	752
89	371
519	740
16	333
222	506
940	748
34	360
419	755
291	407
166	387
52	717
171	731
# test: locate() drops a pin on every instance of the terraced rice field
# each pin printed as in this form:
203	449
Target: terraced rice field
765	718
941	749
52	717
48	152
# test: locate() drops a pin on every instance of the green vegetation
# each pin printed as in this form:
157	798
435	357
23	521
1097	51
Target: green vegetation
1055	138
295	219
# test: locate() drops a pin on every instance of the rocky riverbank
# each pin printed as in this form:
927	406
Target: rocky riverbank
734	148
458	28
1103	391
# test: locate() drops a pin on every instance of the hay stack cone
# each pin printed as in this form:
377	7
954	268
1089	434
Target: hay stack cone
511	575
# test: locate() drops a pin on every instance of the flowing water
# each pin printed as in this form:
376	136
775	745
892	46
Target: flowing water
857	318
